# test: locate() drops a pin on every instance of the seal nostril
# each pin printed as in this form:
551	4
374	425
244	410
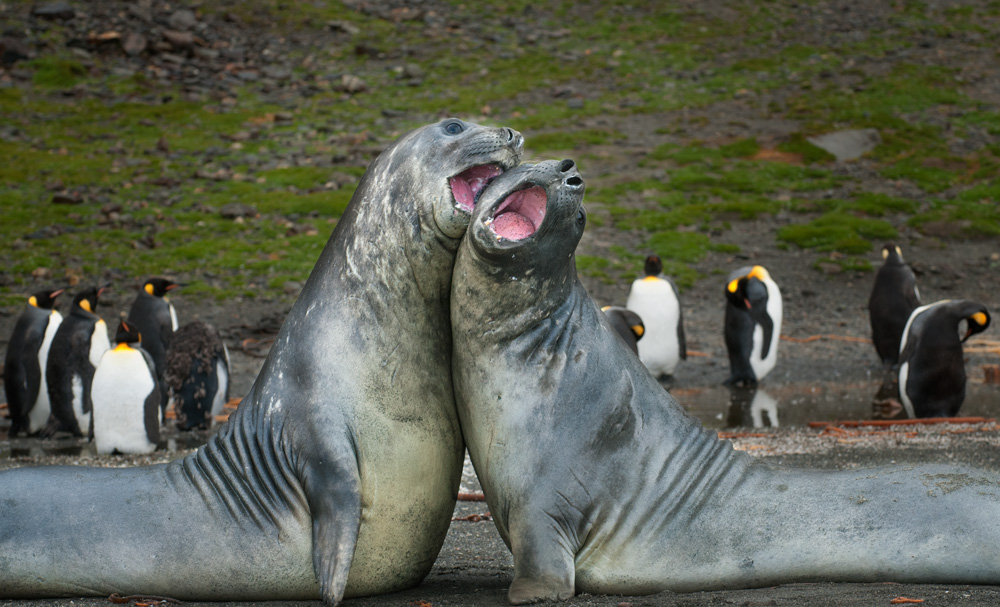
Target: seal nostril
574	181
566	165
510	135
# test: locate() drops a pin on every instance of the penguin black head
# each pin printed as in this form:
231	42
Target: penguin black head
127	334
653	267
976	322
158	287
87	299
892	254
46	300
748	291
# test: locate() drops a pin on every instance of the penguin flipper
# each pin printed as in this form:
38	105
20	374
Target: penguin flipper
681	341
767	325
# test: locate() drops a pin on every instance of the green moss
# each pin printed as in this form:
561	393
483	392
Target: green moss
838	231
56	72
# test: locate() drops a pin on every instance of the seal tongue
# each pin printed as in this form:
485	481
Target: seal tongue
520	214
466	186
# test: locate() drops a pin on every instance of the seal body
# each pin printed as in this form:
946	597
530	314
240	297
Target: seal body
535	362
126	396
931	366
197	374
656	299
627	324
337	474
752	324
894	296
77	347
25	361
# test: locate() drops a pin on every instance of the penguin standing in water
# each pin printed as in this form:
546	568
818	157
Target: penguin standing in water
626	324
894	297
155	318
752	325
656	300
77	348
126	396
197	373
931	366
24	364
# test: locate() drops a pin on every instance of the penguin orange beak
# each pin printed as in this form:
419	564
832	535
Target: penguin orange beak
746	302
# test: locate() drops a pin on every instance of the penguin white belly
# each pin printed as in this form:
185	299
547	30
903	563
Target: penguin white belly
122	382
173	317
656	304
222	388
904	374
39	414
82	418
762	365
99	343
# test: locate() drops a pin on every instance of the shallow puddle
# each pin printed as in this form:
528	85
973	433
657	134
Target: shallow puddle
798	404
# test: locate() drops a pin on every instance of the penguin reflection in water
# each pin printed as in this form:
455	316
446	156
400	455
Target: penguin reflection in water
931	365
25	362
752	325
77	348
656	300
126	395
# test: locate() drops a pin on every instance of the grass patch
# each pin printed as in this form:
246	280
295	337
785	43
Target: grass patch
838	231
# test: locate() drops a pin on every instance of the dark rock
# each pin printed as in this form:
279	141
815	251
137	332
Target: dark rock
134	43
179	39
67	198
248	75
182	20
276	72
343	27
54	10
13	50
237	209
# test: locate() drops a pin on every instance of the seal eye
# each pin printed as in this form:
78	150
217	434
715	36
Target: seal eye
581	218
454	127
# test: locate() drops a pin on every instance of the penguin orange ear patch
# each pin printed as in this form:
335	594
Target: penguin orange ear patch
733	284
979	318
638	330
85	304
33	301
148	287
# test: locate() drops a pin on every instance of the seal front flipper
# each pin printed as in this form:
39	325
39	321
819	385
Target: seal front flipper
333	490
543	562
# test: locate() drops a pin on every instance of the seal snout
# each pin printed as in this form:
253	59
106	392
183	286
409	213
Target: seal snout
469	184
573	179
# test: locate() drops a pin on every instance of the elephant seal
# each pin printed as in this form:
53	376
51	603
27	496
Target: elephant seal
337	475
598	480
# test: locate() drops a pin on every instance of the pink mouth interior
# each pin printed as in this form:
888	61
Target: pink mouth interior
520	214
467	186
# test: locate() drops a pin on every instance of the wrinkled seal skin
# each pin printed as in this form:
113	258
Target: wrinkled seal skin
599	482
347	445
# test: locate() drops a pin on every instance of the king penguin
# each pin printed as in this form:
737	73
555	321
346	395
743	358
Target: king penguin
24	363
931	366
626	324
197	374
77	348
752	324
155	317
656	300
894	297
126	395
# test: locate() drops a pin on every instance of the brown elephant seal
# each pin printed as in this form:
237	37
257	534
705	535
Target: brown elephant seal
599	482
338	473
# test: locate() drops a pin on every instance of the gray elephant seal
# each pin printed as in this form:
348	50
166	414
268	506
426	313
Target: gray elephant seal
599	482
337	475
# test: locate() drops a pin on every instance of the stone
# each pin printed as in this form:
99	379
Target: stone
236	210
847	145
182	20
134	43
54	10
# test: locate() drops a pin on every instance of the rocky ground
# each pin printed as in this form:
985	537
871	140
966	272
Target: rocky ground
823	360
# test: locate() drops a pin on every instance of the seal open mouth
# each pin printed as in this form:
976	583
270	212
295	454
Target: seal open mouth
520	214
469	184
